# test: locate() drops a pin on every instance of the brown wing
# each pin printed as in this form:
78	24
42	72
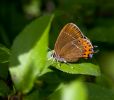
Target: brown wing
69	33
72	51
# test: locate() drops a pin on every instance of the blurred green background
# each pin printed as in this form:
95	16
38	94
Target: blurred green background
94	17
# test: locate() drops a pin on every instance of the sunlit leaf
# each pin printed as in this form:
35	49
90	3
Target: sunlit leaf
75	90
29	52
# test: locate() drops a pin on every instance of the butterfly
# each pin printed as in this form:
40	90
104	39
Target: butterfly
71	45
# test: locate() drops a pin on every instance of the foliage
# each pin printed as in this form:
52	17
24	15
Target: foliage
29	27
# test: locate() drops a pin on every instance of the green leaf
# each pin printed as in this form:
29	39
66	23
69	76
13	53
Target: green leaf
75	90
82	68
29	52
75	68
